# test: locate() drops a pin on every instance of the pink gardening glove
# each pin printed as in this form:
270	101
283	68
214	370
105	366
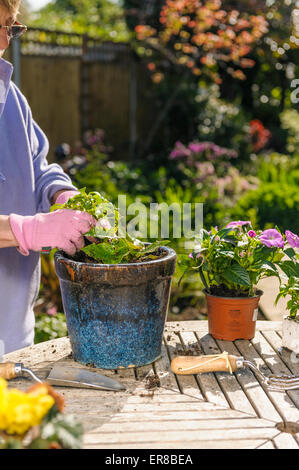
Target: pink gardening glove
64	197
59	229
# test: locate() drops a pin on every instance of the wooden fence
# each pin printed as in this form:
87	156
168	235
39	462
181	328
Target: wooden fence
74	83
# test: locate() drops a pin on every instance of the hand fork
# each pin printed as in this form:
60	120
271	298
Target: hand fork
184	365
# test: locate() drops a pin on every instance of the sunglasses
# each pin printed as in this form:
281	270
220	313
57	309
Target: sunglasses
15	31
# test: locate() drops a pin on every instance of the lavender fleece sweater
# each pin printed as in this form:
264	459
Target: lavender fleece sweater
27	184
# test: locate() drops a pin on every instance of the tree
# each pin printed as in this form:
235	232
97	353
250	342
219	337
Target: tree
97	18
202	37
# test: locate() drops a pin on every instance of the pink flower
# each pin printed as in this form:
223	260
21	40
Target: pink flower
292	239
272	238
238	223
251	233
52	311
197	147
179	151
190	255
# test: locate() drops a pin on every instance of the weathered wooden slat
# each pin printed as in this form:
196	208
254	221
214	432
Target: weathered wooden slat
256	395
228	382
123	416
288	403
162	368
189	406
184	425
288	357
266	445
31	356
118	437
222	444
285	441
208	383
202	326
279	400
167	421
135	395
187	383
96	407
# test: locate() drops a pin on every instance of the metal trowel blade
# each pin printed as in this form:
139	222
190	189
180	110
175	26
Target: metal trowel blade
64	376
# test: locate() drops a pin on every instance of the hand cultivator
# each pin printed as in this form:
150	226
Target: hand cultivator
185	365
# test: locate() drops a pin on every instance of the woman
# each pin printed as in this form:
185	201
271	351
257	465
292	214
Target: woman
28	187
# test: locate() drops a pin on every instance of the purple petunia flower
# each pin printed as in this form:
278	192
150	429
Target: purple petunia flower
238	223
272	238
251	233
190	255
179	151
197	147
292	239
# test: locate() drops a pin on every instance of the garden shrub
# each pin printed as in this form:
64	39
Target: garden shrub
290	122
269	205
49	327
278	168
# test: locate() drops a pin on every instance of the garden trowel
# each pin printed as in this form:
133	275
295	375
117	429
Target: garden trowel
62	375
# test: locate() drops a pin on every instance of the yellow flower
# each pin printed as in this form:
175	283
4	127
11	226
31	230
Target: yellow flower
19	411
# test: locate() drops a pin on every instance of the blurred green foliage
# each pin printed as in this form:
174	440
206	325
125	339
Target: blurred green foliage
101	18
49	327
290	123
271	204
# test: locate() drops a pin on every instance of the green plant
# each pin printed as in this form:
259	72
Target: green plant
290	122
290	269
290	288
50	327
269	205
277	168
102	19
232	260
110	243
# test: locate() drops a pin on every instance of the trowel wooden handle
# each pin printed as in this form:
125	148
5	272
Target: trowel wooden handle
7	370
184	365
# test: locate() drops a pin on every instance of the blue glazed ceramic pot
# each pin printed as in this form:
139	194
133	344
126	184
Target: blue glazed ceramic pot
116	313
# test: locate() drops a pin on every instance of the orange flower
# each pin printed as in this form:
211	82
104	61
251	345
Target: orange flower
157	77
259	134
151	66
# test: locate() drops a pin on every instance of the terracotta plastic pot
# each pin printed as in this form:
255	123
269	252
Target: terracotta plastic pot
232	318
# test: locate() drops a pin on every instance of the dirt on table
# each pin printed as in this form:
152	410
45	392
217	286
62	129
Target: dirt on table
190	350
152	382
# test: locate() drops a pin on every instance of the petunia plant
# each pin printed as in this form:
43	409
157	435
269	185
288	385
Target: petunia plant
232	260
289	266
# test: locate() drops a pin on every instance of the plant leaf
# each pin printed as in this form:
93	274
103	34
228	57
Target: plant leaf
290	252
237	275
290	268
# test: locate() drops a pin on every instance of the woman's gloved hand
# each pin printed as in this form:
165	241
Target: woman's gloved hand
61	229
65	196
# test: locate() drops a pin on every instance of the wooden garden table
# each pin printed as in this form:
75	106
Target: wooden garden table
198	411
